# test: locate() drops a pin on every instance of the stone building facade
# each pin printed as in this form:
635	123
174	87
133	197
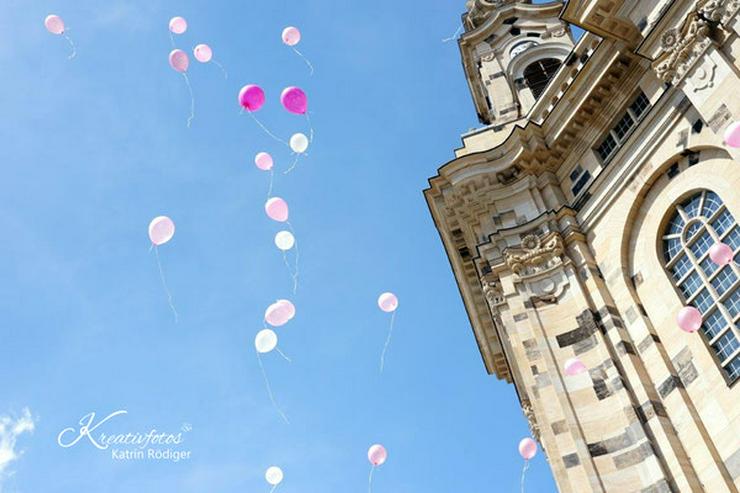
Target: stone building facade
577	222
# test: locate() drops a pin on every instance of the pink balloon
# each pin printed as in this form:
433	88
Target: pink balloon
732	135
721	254
280	313
689	319
178	25
527	448
54	24
294	100
263	161
203	53
291	36
179	60
161	230
277	209
377	455
251	97
574	366
388	302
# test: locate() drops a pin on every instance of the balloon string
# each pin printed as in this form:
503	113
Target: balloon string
310	127
172	40
192	99
273	488
283	355
387	342
269	391
524	471
454	36
292	166
266	130
272	179
295	272
164	284
304	59
370	480
226	74
71	45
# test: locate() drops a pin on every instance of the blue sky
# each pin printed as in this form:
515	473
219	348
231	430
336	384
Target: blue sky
93	148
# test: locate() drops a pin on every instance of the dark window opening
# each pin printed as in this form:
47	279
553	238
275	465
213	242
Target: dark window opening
515	31
697	127
539	74
673	170
533	35
511	20
621	130
580	183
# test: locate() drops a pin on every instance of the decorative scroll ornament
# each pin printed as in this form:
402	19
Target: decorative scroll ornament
721	11
535	255
682	48
531	418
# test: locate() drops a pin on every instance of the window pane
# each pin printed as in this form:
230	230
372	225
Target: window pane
726	345
733	302
675	225
693	229
713	324
703	301
709	267
623	126
733	369
691	285
724	280
733	238
723	223
640	105
682	266
671	248
691	206
607	147
712	203
701	245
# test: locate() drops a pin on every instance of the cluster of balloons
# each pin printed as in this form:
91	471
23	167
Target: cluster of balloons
180	62
55	25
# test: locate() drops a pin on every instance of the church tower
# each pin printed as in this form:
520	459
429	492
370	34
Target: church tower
578	221
510	51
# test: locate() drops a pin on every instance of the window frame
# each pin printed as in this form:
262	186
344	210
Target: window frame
629	112
696	268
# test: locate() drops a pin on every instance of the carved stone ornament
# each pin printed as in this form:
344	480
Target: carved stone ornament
493	293
535	255
721	11
531	418
682	48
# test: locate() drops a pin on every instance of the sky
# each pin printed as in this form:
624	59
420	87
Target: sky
93	148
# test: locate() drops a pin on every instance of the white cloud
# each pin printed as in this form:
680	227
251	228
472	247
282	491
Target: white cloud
10	429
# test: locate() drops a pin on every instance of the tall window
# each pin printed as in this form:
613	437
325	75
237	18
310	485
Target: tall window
539	73
697	224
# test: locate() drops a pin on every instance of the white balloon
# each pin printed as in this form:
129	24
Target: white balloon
274	475
299	143
284	240
265	341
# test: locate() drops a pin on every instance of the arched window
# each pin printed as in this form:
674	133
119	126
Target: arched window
539	73
697	224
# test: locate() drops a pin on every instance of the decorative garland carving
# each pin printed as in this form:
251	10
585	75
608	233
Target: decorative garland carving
681	47
535	255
